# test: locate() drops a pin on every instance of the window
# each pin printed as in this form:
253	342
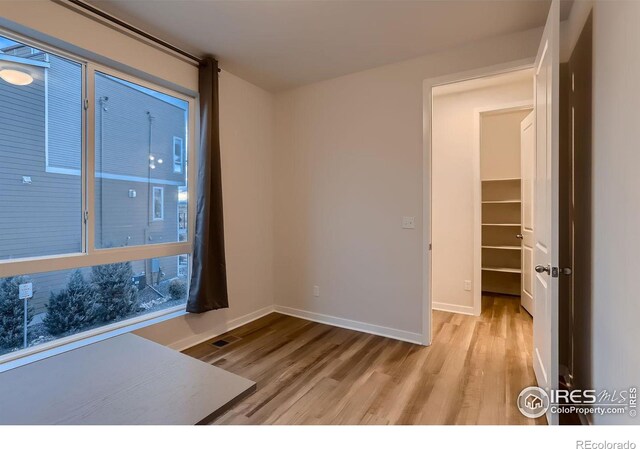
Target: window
64	303
178	152
158	203
40	127
136	128
80	216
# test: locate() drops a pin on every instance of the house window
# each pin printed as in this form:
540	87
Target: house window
63	99
86	216
183	213
158	203
178	155
183	265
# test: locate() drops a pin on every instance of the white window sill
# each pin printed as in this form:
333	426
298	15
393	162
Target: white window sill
30	355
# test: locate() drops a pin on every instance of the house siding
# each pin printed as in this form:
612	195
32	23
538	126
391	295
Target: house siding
44	217
125	221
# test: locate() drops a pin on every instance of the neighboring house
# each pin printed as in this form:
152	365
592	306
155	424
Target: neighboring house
140	163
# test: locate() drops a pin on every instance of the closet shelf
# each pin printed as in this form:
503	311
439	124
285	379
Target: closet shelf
501	247
502	202
503	270
501	179
502	224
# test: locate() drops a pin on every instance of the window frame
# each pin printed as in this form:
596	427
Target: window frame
153	204
90	255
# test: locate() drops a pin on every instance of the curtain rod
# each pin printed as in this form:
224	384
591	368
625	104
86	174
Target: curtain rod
121	23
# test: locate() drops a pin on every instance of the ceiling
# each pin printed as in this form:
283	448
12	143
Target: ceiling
280	44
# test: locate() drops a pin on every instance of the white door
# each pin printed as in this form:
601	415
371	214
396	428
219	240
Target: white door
546	197
527	168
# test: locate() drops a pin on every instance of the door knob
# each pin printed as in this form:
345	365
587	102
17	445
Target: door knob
519	236
566	271
541	269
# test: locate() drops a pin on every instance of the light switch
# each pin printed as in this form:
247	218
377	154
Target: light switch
408	222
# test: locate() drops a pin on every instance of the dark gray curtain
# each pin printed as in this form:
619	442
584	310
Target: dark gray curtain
208	276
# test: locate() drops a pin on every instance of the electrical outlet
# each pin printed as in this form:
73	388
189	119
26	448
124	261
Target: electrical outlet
316	291
467	285
408	222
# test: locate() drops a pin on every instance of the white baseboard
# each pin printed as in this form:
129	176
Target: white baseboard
453	308
230	325
382	331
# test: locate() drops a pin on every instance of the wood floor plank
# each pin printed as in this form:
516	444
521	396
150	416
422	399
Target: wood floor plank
312	373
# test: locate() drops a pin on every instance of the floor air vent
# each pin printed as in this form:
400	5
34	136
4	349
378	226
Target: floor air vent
221	343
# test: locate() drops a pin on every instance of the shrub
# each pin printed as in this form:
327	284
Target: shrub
177	289
116	295
72	309
12	312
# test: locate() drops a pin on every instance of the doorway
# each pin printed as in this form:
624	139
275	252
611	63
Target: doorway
477	190
506	145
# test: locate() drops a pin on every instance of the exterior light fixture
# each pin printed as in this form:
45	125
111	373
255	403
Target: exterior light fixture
151	157
159	161
17	77
152	166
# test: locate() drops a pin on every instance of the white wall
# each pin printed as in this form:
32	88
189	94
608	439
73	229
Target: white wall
500	143
616	189
246	128
453	181
348	166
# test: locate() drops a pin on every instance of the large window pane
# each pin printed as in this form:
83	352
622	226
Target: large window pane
141	165
67	302
40	152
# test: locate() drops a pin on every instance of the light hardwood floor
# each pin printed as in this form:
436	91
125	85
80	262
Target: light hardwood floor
310	373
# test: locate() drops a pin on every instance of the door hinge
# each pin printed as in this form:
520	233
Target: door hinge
86	216
429	246
86	103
